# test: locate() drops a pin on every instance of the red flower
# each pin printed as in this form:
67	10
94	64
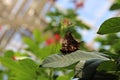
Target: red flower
57	37
53	39
49	41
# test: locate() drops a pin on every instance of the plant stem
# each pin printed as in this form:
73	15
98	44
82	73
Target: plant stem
51	74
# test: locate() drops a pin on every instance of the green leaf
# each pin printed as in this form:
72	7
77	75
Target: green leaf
118	1
107	66
89	69
78	69
9	54
37	36
42	77
82	25
116	46
9	63
29	42
67	76
111	25
32	46
44	52
115	6
60	60
63	77
28	66
23	70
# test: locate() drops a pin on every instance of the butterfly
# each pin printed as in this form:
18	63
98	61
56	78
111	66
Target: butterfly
69	44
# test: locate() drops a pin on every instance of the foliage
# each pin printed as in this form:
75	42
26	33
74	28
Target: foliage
24	66
110	26
80	57
56	60
19	67
115	5
57	17
113	41
37	47
91	68
102	65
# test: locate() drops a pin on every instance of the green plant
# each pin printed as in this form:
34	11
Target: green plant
58	18
116	5
54	65
90	63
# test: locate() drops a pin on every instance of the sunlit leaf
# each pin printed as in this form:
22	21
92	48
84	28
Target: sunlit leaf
9	63
29	42
9	53
118	1
67	76
37	36
23	70
63	78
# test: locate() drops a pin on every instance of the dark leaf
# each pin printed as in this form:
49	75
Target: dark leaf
107	66
115	6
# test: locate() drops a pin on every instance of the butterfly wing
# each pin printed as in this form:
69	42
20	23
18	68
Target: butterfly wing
69	44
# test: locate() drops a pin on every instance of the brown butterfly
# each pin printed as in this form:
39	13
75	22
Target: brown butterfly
69	44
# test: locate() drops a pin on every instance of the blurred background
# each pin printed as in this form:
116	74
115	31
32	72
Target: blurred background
31	28
20	17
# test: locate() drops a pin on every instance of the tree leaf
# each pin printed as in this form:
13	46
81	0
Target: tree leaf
115	6
23	70
107	66
29	42
63	77
9	63
9	54
118	1
78	69
67	76
111	25
57	60
89	69
37	36
28	66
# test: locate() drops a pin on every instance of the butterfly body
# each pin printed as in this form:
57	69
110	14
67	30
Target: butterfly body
69	44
